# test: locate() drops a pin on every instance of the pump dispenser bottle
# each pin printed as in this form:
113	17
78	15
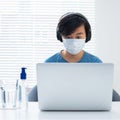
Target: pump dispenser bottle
23	89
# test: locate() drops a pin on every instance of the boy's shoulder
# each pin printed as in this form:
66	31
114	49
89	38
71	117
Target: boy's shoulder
92	58
53	58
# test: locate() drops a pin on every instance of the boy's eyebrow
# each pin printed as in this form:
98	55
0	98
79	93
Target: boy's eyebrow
79	33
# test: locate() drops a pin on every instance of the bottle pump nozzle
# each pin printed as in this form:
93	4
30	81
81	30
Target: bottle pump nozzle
23	73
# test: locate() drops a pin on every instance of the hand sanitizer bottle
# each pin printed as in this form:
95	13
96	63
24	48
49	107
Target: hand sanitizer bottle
23	89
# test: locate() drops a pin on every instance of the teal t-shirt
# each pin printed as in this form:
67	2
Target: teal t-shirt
87	58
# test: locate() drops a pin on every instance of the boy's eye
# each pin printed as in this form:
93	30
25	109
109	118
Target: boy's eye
78	37
68	37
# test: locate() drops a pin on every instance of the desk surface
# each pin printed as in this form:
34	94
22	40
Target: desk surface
33	113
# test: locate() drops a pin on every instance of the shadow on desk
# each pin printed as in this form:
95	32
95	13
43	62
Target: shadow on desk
34	97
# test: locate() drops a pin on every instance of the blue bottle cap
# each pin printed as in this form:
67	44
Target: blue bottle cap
23	73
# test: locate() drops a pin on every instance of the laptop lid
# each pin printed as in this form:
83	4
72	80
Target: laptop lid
75	86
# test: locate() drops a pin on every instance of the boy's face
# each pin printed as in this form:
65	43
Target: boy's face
79	33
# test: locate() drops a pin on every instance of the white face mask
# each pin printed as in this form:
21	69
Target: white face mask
74	46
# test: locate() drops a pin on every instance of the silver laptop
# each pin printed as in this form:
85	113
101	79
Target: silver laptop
75	86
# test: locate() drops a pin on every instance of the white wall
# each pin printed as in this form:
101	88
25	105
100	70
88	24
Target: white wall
108	34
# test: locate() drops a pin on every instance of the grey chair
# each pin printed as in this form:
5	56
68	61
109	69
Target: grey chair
34	97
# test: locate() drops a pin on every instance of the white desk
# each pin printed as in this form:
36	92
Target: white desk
33	113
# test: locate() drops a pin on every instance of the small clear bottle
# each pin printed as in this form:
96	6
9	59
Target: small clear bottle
23	90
